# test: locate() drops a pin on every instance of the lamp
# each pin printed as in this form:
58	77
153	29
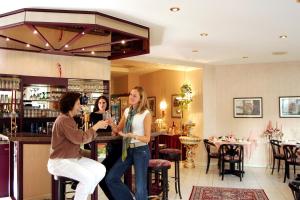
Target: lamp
163	106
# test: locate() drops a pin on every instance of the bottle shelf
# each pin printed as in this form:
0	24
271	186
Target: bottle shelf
45	100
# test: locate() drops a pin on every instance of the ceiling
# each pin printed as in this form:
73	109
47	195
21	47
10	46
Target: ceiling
239	31
72	33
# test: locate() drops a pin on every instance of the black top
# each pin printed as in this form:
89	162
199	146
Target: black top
95	117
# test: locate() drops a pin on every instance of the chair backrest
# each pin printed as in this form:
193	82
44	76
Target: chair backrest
275	144
207	145
294	186
232	152
291	153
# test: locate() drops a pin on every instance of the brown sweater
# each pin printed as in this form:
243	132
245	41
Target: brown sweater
66	138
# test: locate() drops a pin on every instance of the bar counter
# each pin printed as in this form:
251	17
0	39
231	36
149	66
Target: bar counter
28	156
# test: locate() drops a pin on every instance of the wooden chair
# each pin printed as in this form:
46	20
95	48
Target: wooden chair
277	155
232	154
210	154
291	157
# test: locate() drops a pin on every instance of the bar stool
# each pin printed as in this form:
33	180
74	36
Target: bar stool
173	155
159	166
62	183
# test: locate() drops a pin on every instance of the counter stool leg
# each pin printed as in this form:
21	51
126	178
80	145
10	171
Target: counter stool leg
177	178
165	184
62	190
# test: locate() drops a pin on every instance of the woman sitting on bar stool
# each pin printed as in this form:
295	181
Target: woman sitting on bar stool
66	158
136	126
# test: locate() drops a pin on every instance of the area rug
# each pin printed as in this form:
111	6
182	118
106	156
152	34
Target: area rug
219	193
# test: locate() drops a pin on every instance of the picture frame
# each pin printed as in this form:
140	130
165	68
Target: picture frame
175	109
152	105
248	107
289	107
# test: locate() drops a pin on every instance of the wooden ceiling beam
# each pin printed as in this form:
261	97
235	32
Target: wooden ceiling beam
40	36
76	37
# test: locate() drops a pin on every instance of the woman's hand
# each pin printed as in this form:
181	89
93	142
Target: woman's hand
100	125
127	135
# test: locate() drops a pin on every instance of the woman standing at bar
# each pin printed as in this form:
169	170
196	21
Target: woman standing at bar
135	128
66	158
114	148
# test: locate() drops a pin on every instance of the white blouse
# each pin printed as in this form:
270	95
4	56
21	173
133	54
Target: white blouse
137	123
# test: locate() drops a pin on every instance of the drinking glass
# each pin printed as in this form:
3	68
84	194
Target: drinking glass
106	115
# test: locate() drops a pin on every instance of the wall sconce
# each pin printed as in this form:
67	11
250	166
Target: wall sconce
163	107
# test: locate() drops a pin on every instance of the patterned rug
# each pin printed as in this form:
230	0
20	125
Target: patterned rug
219	193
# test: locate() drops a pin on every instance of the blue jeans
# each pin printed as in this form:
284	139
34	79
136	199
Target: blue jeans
139	157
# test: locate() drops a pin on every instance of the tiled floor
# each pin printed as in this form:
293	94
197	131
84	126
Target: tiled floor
259	178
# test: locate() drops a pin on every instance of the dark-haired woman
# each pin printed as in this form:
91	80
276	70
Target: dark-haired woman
114	148
66	158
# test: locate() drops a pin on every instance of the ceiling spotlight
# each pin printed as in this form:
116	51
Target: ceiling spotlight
83	33
82	49
123	42
174	9
283	36
124	51
27	45
7	39
195	51
93	52
66	45
47	45
203	34
35	32
245	57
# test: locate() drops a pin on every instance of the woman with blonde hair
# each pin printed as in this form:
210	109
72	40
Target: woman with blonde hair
135	128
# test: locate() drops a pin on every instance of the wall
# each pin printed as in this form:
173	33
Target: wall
119	85
35	64
162	84
269	81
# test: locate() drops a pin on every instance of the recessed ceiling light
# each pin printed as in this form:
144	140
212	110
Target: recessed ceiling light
83	33
278	53
203	34
47	45
124	51
283	36
27	45
195	51
7	39
35	32
174	9
82	49
66	45
245	57
123	41
93	52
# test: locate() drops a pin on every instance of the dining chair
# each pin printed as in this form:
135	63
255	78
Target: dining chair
211	154
291	157
277	154
232	154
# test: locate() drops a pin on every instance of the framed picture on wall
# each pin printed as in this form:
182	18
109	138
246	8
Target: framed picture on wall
289	107
175	109
152	105
247	107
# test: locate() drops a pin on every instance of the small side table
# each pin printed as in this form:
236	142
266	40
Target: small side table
190	142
